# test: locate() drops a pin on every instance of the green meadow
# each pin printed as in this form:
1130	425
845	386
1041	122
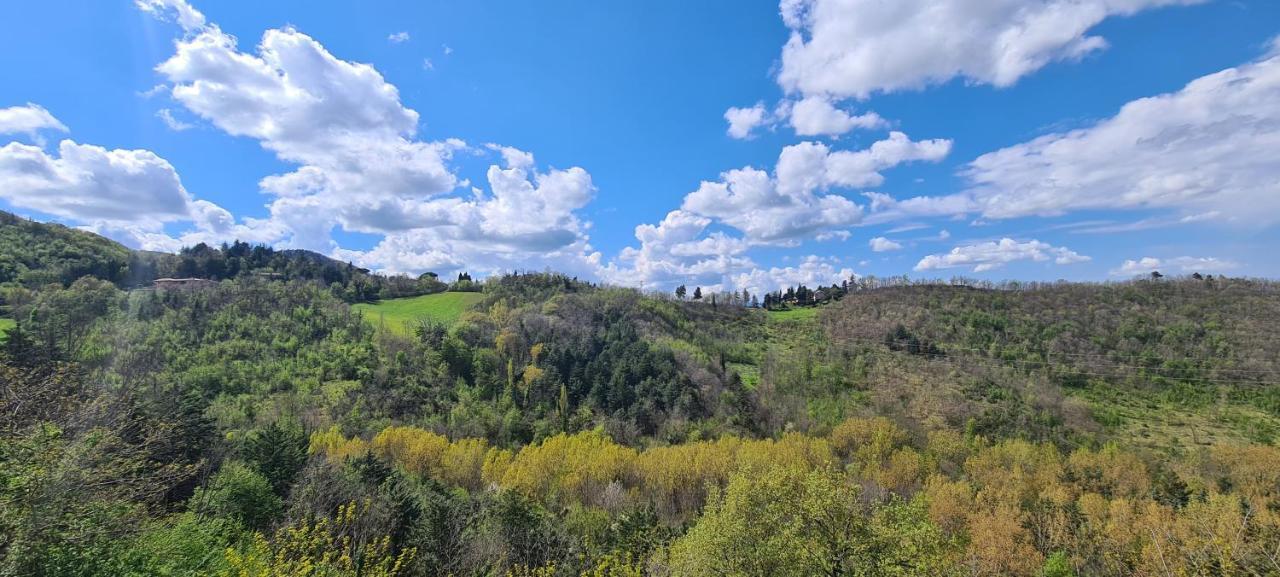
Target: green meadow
400	315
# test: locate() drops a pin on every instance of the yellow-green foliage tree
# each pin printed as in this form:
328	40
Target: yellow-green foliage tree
1010	508
318	548
570	468
799	522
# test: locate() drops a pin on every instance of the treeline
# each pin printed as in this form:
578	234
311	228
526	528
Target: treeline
34	254
344	280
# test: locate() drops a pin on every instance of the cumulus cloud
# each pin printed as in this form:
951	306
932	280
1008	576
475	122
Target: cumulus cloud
812	271
83	182
992	255
675	251
340	121
854	48
742	121
678	250
809	116
1187	264
789	204
817	116
527	216
28	120
781	209
882	244
398	37
127	195
1205	149
360	165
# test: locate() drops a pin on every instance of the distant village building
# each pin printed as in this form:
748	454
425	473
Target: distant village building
183	283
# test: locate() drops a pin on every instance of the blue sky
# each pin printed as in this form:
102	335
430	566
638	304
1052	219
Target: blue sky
1028	139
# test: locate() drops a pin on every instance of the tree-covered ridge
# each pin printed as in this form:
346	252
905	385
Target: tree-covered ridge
346	281
34	254
260	425
1194	344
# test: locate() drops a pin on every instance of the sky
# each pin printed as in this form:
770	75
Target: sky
718	143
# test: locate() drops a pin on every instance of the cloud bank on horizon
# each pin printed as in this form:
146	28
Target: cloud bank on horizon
355	159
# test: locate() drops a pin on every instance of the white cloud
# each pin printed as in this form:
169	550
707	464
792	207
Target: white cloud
28	120
810	116
529	218
90	183
854	48
166	115
184	14
812	272
816	116
398	37
882	244
341	121
781	209
787	205
860	169
1187	264
127	195
995	254
1208	148
361	166
675	251
427	65
885	208
742	121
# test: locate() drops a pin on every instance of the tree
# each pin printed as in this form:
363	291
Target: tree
697	293
314	548
240	494
278	453
792	522
681	291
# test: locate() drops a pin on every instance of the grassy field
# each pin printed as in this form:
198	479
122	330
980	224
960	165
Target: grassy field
5	325
400	315
796	314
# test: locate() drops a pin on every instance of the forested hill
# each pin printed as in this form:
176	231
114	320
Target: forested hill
261	425
1140	354
33	254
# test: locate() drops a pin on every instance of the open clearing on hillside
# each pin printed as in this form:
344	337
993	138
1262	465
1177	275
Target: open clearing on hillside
400	315
796	314
5	325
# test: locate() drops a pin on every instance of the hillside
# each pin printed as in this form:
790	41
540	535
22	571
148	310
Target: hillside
34	254
550	426
1161	363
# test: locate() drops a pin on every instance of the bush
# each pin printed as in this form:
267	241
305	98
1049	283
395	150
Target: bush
240	494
